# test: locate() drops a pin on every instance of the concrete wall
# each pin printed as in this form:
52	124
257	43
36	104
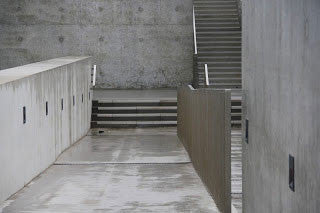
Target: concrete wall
281	52
26	149
135	43
204	129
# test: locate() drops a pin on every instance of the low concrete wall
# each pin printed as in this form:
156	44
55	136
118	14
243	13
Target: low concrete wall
204	129
26	149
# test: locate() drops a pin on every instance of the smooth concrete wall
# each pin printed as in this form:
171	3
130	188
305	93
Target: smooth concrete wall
135	43
205	130
26	149
281	72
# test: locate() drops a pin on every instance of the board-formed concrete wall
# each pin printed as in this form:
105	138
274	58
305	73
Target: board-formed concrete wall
26	149
204	128
135	43
281	72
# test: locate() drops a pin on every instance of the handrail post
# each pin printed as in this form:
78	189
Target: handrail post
206	74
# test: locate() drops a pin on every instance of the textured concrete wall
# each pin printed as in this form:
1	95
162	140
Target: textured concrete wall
135	43
281	52
26	149
204	129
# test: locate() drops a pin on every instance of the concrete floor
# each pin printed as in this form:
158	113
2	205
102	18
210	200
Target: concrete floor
141	170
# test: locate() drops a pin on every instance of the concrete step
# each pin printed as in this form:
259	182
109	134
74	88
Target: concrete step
223	85
219	64
216	20
217	24
230	6
213	3
218	29
221	80
220	69
219	53
117	113
217	15
134	102
132	124
130	110
221	75
135	117
219	49
219	43
224	34
207	60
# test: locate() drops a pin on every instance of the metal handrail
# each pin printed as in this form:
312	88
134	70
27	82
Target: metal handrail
94	75
194	33
206	74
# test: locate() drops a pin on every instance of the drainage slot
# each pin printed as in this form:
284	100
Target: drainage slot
82	97
61	104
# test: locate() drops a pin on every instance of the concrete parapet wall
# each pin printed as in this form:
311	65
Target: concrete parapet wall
204	129
31	143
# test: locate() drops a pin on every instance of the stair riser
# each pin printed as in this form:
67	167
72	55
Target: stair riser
94	125
95	111
206	25
219	54
140	118
131	104
218	34
219	60
206	44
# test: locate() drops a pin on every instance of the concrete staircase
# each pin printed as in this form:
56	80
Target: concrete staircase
218	36
132	113
218	33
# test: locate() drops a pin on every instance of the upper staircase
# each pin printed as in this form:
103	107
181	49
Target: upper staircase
218	38
218	46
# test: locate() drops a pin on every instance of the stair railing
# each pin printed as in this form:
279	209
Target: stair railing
194	33
206	74
195	55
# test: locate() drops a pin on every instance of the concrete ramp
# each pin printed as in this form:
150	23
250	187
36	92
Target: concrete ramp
127	170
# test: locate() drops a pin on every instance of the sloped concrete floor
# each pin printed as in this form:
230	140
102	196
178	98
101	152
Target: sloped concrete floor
118	171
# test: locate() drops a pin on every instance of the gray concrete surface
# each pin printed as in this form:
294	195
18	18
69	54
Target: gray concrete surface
281	51
126	149
204	128
236	169
146	94
135	44
118	187
26	149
